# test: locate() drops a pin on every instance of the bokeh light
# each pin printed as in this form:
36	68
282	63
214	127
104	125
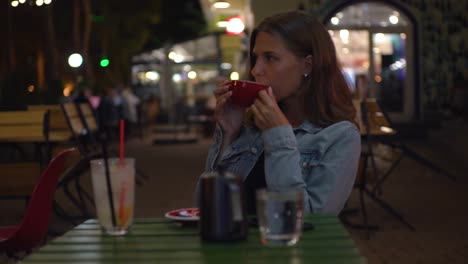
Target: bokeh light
75	60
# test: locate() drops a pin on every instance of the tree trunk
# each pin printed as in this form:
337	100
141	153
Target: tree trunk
51	46
40	67
86	37
76	26
11	45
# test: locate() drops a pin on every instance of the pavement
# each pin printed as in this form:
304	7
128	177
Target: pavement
433	203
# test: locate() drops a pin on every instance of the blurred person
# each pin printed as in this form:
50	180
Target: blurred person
303	133
110	112
130	104
82	95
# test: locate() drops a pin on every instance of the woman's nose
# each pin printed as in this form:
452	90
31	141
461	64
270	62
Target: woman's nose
256	70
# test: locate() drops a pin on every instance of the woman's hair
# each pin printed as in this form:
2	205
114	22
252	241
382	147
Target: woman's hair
327	97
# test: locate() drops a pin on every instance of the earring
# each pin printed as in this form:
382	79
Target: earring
305	75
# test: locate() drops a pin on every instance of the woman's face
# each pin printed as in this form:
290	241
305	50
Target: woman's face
277	66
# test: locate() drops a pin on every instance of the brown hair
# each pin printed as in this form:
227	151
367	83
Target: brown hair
327	97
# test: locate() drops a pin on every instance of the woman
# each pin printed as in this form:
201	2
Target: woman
303	133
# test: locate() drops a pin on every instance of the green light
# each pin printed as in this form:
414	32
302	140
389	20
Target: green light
96	18
104	63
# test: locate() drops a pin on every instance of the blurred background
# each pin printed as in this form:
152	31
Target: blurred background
409	54
155	63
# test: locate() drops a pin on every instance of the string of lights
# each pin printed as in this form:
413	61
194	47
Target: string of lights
16	3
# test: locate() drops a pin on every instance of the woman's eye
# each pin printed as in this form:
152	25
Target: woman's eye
270	58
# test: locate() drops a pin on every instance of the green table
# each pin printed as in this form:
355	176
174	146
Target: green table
156	240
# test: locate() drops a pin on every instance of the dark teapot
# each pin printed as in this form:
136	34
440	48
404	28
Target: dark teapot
222	207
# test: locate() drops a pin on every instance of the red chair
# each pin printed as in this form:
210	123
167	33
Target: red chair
34	225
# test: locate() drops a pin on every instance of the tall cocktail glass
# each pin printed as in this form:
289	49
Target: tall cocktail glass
122	177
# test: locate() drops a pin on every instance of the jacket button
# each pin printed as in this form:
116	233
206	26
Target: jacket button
253	150
304	164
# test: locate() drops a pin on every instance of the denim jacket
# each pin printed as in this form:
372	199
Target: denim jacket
322	161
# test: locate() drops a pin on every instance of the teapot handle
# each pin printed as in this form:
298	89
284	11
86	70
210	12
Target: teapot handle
236	202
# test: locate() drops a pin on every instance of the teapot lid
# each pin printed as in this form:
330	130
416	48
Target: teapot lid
212	174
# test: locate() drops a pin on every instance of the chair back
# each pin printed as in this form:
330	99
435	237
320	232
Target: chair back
34	225
378	120
365	118
76	125
88	118
73	119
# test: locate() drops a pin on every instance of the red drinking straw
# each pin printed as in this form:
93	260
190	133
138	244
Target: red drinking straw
121	147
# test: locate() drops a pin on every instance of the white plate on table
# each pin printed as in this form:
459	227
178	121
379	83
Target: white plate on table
184	215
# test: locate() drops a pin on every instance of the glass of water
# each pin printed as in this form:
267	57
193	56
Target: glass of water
280	216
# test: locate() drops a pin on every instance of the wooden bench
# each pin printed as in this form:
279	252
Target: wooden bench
18	179
22	126
58	127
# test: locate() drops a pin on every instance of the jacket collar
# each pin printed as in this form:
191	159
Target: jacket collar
308	127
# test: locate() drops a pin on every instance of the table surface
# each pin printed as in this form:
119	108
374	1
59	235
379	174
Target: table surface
156	240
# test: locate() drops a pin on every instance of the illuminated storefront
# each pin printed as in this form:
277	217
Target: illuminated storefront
375	45
185	74
409	54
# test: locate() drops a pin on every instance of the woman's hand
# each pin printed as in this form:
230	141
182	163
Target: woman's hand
229	116
266	111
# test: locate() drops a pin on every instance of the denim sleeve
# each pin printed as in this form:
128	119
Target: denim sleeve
210	165
246	145
337	171
239	157
329	182
214	150
282	159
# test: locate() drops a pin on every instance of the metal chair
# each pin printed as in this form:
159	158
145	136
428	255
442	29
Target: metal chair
361	184
81	138
369	154
379	119
89	139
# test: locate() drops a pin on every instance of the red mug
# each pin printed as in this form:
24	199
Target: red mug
244	93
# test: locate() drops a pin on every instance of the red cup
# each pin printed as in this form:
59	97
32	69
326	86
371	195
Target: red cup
244	93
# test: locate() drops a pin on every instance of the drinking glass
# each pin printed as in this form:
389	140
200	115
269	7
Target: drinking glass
122	177
280	216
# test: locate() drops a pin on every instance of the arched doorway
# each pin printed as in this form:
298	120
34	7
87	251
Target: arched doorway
375	45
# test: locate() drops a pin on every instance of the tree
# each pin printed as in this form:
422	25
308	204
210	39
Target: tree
116	29
126	29
82	25
180	20
122	29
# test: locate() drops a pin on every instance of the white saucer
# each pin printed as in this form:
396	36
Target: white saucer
184	214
